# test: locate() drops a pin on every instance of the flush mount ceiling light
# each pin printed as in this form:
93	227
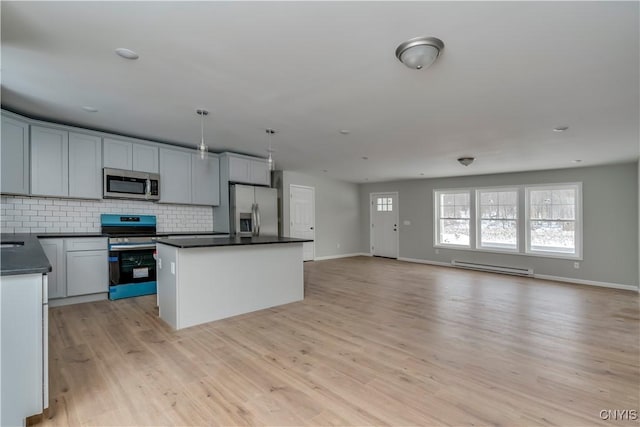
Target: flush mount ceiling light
272	165
560	128
202	148
466	161
419	52
89	109
127	53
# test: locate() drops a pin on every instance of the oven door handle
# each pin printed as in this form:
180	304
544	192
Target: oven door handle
118	248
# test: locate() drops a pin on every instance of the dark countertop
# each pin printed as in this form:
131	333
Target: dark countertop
99	234
229	241
26	259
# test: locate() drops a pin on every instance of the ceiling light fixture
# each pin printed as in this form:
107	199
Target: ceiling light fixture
419	52
345	131
127	53
365	158
560	128
270	162
89	109
466	161
202	148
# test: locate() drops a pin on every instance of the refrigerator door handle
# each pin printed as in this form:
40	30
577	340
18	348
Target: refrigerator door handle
258	216
253	219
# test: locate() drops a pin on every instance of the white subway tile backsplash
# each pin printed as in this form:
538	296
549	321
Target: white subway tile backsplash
20	214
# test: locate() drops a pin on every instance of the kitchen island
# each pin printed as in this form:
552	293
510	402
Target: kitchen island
206	279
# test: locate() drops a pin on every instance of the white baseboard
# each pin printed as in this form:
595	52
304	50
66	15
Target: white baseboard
424	261
541	276
322	258
59	302
587	282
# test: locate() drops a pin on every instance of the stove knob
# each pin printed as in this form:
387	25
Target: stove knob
126	239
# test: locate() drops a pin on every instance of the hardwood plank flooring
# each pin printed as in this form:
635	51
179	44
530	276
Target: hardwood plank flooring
375	342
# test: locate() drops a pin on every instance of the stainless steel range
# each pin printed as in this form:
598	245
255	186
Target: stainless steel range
132	249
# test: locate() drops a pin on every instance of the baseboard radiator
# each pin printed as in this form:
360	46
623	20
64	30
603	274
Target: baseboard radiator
528	272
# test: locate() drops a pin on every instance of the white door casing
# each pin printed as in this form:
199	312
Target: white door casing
384	224
302	217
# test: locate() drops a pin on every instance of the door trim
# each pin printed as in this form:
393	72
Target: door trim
313	196
397	212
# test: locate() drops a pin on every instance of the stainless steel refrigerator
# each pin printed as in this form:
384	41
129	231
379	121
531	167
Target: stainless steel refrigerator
253	210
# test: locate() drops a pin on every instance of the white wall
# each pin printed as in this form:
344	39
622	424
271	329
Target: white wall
337	213
20	214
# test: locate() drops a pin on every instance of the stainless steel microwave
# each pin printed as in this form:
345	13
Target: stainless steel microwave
125	184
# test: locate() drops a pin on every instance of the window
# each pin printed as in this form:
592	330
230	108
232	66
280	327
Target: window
497	215
553	219
453	215
384	204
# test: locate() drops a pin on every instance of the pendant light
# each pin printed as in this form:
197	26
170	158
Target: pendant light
270	162
202	148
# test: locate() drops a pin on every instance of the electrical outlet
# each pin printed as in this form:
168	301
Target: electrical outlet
437	251
159	263
173	268
338	245
406	222
576	265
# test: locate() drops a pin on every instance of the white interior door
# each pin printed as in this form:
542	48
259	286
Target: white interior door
302	217
384	224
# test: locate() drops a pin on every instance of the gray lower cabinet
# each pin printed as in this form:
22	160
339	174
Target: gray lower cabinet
54	250
87	272
14	152
175	176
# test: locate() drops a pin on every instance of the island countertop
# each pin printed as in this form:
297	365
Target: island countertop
26	257
229	241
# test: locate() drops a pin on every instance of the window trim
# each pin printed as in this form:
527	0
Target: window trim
577	221
523	222
518	190
436	223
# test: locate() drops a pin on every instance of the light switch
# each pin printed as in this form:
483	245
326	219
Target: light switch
406	222
173	268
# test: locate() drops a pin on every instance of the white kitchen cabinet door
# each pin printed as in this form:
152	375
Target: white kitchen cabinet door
175	176
205	182
87	272
118	154
85	166
260	173
145	158
239	170
54	250
14	151
49	162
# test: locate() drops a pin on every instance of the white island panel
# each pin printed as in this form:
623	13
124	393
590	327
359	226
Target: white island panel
213	283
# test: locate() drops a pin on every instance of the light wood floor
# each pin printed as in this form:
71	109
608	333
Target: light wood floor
375	341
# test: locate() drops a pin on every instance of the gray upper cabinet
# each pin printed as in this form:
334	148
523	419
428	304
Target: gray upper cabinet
14	152
205	181
49	162
118	154
145	158
85	165
175	176
246	170
130	156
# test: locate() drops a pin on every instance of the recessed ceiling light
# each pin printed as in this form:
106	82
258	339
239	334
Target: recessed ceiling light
127	53
365	158
466	161
421	174
324	170
577	161
345	131
560	128
89	109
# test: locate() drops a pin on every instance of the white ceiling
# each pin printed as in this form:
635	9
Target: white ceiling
510	72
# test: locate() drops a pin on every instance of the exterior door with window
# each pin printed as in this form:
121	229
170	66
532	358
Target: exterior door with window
302	218
384	224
